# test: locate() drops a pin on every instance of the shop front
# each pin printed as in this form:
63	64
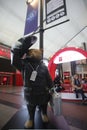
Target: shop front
66	62
6	78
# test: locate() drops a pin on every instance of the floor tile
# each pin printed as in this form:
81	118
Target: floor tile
6	113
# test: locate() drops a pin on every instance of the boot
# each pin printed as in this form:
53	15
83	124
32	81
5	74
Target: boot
44	118
28	124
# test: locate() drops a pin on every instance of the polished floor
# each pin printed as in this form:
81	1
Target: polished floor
13	112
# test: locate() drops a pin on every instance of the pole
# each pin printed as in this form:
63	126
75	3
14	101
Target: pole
41	26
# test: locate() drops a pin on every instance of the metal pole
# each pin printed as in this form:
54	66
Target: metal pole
41	25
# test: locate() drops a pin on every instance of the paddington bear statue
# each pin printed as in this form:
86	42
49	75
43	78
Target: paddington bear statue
36	78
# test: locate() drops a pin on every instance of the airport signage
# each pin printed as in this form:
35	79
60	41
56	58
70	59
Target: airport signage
55	9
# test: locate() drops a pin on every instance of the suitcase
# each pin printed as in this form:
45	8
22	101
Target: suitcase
56	103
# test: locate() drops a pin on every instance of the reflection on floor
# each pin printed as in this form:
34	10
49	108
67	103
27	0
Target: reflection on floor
13	112
18	120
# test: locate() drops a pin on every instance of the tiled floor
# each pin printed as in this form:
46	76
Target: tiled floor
6	113
12	101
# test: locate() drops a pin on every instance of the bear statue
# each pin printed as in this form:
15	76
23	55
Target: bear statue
36	78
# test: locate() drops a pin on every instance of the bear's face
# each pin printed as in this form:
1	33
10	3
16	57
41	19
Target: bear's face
35	53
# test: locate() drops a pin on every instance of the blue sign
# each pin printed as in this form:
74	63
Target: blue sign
31	23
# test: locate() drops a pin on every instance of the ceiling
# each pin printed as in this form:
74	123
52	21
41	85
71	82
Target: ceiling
71	33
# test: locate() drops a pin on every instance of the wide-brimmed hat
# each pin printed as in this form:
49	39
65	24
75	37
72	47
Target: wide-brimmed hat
29	40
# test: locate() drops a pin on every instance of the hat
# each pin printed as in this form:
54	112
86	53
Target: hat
29	40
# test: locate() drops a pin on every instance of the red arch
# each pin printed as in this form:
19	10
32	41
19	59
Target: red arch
52	66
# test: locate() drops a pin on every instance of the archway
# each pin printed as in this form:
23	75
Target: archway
65	55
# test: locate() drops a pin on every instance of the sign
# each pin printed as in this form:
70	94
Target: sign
66	73
31	23
4	52
68	56
55	9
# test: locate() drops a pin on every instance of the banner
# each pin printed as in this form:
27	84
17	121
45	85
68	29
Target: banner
55	9
31	23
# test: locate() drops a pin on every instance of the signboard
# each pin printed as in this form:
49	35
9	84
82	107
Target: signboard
68	56
67	74
55	9
31	23
4	52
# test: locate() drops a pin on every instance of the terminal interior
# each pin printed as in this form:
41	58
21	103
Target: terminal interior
64	50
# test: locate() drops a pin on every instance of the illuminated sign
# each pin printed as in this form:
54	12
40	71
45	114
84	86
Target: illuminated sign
4	52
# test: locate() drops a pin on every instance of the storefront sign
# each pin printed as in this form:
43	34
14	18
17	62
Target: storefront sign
68	56
4	52
66	73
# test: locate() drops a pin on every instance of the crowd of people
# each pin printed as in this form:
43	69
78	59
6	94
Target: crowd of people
76	84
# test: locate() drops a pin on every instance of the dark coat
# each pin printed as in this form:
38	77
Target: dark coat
36	92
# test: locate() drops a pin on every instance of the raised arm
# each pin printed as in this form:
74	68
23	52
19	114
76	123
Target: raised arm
21	47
